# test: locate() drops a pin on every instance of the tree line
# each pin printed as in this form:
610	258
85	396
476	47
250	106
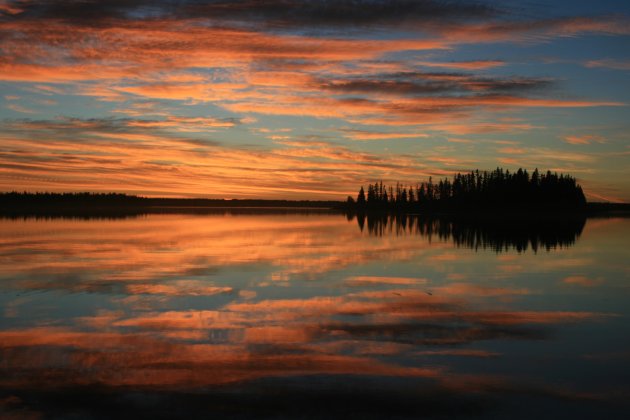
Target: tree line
477	190
82	200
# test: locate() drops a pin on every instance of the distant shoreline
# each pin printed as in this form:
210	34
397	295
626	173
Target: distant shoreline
79	204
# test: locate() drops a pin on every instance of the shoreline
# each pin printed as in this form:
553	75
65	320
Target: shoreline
113	211
14	205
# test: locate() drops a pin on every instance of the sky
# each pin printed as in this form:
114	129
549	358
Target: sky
311	99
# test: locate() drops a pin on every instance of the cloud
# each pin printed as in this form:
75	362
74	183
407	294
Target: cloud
532	30
361	281
367	68
512	150
153	49
464	65
556	159
584	139
583	281
274	14
10	7
159	51
186	123
466	289
178	288
126	128
606	197
481	20
377	135
177	155
481	127
418	83
459	352
19	108
609	63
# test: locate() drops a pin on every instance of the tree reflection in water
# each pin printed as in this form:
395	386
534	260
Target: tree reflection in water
500	234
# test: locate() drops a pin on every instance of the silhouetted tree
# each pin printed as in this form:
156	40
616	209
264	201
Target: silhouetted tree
361	198
496	190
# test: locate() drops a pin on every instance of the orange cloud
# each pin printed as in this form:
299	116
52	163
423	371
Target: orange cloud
531	31
467	289
584	139
474	127
374	135
245	67
20	109
178	288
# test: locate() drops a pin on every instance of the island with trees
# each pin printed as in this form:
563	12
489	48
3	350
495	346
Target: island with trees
497	191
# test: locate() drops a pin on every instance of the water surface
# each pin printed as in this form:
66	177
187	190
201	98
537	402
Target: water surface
313	315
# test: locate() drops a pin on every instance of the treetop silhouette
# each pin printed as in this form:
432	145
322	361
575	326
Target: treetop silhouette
496	190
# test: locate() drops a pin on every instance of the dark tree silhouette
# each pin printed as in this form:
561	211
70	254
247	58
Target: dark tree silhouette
15	204
361	198
484	191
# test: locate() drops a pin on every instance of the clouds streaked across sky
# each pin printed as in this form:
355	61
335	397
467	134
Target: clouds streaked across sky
309	99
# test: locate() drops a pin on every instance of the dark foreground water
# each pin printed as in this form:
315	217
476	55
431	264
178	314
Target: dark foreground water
313	316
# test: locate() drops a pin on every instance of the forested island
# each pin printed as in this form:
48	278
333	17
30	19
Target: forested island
477	191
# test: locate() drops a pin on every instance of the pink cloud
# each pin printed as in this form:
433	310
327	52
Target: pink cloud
584	139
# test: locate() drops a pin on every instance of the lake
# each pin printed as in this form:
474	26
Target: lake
313	315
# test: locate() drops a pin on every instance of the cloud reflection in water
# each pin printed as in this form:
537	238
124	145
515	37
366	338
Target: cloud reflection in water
188	303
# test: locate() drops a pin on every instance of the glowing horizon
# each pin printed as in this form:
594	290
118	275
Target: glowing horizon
309	99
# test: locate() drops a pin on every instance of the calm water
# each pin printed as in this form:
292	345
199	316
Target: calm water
312	316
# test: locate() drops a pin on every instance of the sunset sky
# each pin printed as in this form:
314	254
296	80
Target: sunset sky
309	99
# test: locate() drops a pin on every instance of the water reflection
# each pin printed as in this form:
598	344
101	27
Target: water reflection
305	316
499	234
